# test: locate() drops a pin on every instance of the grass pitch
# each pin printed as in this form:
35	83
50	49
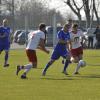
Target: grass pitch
55	85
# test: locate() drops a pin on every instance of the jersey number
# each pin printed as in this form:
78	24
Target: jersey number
76	39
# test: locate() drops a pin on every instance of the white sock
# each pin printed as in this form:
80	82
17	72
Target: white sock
28	67
78	66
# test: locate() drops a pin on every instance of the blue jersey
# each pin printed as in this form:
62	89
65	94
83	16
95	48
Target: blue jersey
4	38
60	49
4	35
64	36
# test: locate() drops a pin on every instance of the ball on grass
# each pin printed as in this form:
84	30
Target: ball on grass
82	63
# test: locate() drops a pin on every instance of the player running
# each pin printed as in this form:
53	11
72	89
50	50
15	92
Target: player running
5	40
35	40
61	49
76	36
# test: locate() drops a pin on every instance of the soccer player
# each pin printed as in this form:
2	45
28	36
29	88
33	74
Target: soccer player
76	51
5	40
36	39
61	49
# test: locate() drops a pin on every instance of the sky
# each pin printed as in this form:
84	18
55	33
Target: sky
59	5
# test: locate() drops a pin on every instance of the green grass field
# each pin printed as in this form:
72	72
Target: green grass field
55	85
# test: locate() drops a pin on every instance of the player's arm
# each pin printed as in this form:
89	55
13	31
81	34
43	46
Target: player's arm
69	45
42	46
60	39
83	38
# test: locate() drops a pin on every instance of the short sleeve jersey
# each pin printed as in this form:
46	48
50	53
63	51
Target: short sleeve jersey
34	39
76	38
64	36
5	31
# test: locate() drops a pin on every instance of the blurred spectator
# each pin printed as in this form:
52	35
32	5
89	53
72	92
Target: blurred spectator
90	39
97	34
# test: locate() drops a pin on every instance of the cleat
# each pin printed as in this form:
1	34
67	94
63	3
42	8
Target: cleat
18	69
6	65
64	72
23	77
76	73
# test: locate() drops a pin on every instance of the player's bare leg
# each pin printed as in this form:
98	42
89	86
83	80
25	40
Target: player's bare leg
27	69
79	64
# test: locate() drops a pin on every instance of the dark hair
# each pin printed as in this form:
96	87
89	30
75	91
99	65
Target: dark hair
66	25
70	20
41	26
97	26
75	25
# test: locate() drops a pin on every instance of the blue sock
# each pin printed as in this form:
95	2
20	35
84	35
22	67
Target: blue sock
66	65
6	57
47	66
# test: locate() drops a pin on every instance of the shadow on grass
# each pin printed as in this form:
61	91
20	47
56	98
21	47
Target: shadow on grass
88	76
61	78
57	78
93	64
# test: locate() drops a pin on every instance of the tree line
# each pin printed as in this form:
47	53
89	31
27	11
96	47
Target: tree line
37	11
34	11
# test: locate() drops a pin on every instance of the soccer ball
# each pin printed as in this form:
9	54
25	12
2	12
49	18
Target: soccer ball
82	63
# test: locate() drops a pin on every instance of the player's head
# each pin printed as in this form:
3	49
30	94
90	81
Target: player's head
70	21
66	27
5	22
74	27
42	27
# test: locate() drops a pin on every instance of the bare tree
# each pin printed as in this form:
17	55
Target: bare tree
87	12
74	7
35	11
95	11
89	7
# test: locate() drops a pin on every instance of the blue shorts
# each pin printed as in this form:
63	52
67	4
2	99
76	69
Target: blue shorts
5	47
59	51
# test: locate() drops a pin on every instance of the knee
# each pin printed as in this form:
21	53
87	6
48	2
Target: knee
74	60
